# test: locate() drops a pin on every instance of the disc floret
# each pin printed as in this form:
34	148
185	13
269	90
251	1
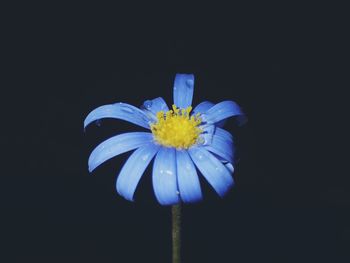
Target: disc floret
177	128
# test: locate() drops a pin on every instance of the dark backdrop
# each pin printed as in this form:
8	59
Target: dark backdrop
289	203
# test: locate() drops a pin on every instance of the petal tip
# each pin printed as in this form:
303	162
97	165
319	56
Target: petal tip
91	168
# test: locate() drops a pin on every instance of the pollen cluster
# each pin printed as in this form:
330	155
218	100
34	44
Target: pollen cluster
176	128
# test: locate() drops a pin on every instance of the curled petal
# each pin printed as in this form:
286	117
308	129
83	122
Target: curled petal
187	178
183	90
224	134
122	111
221	147
164	177
218	176
117	145
224	110
133	170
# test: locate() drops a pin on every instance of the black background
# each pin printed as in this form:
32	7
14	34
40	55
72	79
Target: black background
279	62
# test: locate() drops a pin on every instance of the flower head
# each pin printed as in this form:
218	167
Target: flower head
181	139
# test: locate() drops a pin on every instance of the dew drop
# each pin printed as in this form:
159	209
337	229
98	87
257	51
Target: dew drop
189	83
207	139
147	104
145	157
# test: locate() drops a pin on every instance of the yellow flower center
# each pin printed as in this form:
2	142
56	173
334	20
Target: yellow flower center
176	128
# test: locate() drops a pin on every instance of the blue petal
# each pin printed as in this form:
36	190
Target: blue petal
164	177
183	90
224	110
133	169
230	167
151	107
203	107
206	137
187	178
121	111
155	105
224	134
222	145
212	169
117	145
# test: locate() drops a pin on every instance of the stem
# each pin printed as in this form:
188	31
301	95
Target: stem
176	234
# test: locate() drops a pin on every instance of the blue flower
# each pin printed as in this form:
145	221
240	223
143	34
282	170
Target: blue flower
180	139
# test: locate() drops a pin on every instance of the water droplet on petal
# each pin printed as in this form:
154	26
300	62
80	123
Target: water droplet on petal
189	83
147	104
201	140
207	139
145	157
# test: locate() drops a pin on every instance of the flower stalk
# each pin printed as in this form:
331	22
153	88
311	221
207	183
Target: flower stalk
176	232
